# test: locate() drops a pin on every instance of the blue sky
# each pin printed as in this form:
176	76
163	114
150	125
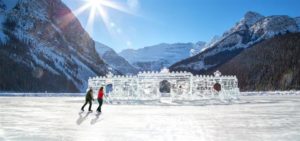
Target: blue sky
150	22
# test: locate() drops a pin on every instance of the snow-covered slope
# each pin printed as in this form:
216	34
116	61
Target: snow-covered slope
211	43
45	41
253	28
198	47
115	61
158	56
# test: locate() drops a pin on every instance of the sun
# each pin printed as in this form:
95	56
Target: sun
97	8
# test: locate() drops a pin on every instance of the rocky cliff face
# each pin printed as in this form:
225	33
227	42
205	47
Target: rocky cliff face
44	48
252	29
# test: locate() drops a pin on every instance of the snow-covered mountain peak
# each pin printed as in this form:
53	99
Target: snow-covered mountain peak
247	21
273	25
259	28
251	18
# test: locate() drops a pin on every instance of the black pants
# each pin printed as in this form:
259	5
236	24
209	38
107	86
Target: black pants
100	104
90	104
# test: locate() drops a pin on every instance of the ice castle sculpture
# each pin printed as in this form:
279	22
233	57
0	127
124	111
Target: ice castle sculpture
167	85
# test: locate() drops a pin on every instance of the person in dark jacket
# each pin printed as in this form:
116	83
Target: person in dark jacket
88	99
100	99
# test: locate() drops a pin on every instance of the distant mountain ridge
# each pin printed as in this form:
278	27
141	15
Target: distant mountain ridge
114	61
159	56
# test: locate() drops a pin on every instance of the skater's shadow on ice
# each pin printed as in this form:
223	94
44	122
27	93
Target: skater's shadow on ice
95	120
82	118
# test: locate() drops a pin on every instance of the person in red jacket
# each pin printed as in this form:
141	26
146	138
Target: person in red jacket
100	99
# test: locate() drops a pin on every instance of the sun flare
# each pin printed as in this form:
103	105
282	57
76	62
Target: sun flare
95	2
97	8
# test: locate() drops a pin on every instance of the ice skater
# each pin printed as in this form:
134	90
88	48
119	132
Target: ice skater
100	99
88	99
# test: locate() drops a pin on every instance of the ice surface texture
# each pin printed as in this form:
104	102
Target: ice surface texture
254	118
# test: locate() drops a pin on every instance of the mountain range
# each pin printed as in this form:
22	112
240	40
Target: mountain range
253	31
43	47
156	57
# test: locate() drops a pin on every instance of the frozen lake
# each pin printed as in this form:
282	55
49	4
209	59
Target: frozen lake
254	118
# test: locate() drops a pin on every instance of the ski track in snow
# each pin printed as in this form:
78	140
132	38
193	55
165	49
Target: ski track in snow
254	118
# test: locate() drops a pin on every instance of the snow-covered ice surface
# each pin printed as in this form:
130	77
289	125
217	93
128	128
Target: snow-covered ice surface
253	118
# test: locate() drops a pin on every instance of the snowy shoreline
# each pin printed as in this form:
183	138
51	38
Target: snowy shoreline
270	93
6	94
254	93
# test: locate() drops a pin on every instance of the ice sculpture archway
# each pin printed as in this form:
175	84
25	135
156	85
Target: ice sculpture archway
165	89
165	86
108	88
217	87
